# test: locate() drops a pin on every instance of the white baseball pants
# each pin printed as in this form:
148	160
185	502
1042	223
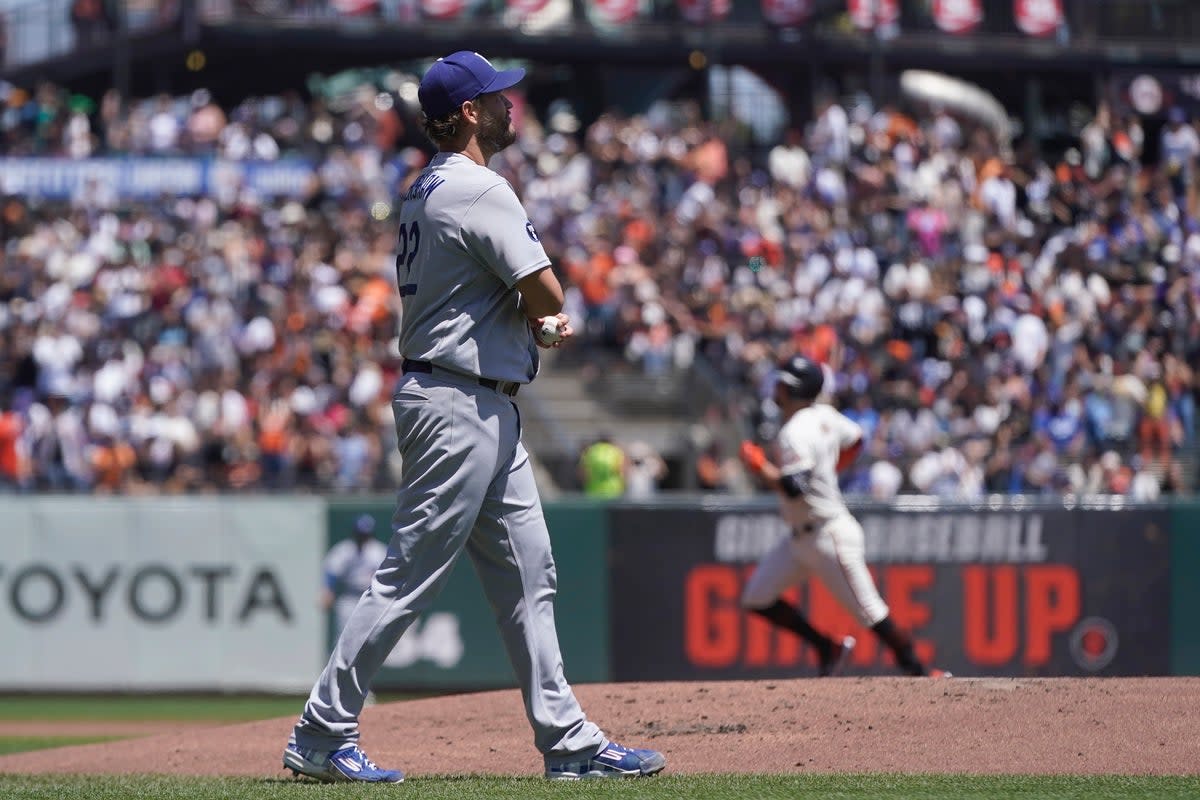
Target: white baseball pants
835	554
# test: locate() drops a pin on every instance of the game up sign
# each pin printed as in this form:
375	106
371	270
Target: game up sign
1003	590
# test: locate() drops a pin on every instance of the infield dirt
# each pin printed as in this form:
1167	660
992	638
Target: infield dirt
1037	726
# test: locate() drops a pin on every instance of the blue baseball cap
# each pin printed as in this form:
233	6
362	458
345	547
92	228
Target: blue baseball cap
459	77
364	525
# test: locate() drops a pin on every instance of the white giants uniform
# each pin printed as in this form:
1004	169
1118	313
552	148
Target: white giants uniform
826	540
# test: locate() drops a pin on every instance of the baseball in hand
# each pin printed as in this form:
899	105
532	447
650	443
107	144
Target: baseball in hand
548	332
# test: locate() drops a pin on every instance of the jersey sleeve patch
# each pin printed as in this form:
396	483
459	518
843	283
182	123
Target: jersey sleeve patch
497	232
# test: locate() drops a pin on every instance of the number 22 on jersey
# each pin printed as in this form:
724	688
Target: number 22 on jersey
408	242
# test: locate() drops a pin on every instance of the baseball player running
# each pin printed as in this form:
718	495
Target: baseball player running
815	443
477	293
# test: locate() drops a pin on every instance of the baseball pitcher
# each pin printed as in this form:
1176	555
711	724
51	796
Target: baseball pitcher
479	297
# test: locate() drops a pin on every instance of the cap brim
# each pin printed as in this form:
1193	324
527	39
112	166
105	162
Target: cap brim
505	79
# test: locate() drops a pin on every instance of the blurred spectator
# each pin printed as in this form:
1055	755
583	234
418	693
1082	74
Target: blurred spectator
92	21
1094	140
602	467
644	469
715	471
788	163
1145	485
14	462
1180	147
885	480
996	321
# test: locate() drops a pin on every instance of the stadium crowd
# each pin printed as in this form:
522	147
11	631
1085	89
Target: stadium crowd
996	321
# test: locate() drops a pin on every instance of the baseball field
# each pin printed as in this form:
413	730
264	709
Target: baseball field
836	738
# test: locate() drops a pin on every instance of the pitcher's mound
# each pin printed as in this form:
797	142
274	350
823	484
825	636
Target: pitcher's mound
1132	726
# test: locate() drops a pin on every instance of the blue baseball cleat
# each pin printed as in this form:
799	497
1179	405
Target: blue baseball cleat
614	761
350	764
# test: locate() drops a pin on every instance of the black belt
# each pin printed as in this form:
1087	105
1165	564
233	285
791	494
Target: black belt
509	388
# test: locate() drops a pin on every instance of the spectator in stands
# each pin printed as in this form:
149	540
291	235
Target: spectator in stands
885	480
788	162
1095	142
715	471
14	462
91	20
602	465
1180	147
1003	332
644	469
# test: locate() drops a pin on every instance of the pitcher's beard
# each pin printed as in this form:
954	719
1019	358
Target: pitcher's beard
495	133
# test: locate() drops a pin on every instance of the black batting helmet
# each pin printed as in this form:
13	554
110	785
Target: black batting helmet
803	378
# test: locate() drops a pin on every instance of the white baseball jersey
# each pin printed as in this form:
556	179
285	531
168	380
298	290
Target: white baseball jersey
352	568
464	242
810	444
827	540
348	573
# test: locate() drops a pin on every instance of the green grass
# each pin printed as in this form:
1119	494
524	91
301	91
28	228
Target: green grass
203	708
216	708
20	744
667	787
226	708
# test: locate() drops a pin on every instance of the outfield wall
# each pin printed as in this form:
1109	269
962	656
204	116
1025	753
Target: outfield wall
1004	590
456	644
163	594
155	594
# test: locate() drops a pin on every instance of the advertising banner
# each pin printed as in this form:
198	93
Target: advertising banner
608	14
456	644
443	10
519	10
702	12
869	14
159	594
1038	17
149	178
1185	589
355	8
536	16
957	16
787	13
1153	93
1004	592
143	15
